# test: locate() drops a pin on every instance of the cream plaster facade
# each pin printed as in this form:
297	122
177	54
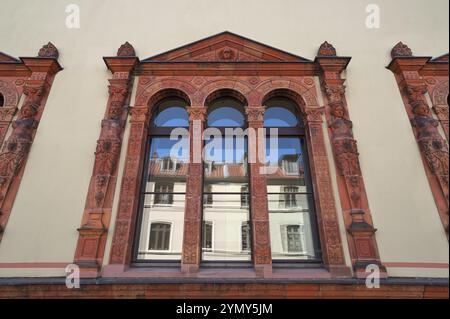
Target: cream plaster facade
43	227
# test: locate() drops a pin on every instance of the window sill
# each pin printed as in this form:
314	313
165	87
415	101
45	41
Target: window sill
215	274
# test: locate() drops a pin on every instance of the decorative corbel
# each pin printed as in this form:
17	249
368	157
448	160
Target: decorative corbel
415	77
41	71
357	217
97	213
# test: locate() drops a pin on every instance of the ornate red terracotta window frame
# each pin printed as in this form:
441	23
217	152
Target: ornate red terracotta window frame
417	78
33	77
255	71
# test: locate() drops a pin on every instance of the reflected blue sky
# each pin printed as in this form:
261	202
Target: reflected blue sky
226	117
279	117
172	117
286	146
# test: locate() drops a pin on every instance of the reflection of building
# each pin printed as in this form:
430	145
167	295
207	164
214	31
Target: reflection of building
226	231
75	143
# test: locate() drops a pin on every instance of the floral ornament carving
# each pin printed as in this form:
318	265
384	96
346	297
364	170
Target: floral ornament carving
126	50
118	96
326	49
335	93
9	93
227	54
48	51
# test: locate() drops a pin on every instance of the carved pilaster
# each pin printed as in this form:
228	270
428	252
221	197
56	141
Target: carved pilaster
408	71
262	255
331	243
357	217
14	152
192	214
121	248
97	212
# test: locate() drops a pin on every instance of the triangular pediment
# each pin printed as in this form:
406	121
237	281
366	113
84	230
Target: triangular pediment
226	47
442	58
5	58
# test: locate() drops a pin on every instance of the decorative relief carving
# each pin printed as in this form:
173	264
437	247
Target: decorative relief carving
227	54
99	200
9	92
18	143
348	167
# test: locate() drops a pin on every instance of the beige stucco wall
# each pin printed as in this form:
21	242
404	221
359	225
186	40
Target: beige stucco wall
49	204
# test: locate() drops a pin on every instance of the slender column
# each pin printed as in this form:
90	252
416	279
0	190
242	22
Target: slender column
262	256
327	219
357	216
14	153
194	189
97	214
433	147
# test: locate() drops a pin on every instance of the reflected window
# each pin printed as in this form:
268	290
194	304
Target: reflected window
293	227
245	237
292	238
226	181
163	194
207	240
159	236
290	197
163	186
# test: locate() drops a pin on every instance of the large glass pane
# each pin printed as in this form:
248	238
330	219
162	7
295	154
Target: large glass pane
226	201
163	200
291	227
224	219
225	165
286	161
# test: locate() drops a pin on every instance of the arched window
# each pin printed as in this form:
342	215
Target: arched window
225	184
162	198
2	100
293	229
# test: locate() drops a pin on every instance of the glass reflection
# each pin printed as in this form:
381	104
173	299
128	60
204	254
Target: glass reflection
224	237
171	113
291	226
286	162
226	112
226	228
163	201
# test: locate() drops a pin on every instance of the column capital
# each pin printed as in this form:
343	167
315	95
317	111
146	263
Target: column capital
314	115
139	114
255	115
196	113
